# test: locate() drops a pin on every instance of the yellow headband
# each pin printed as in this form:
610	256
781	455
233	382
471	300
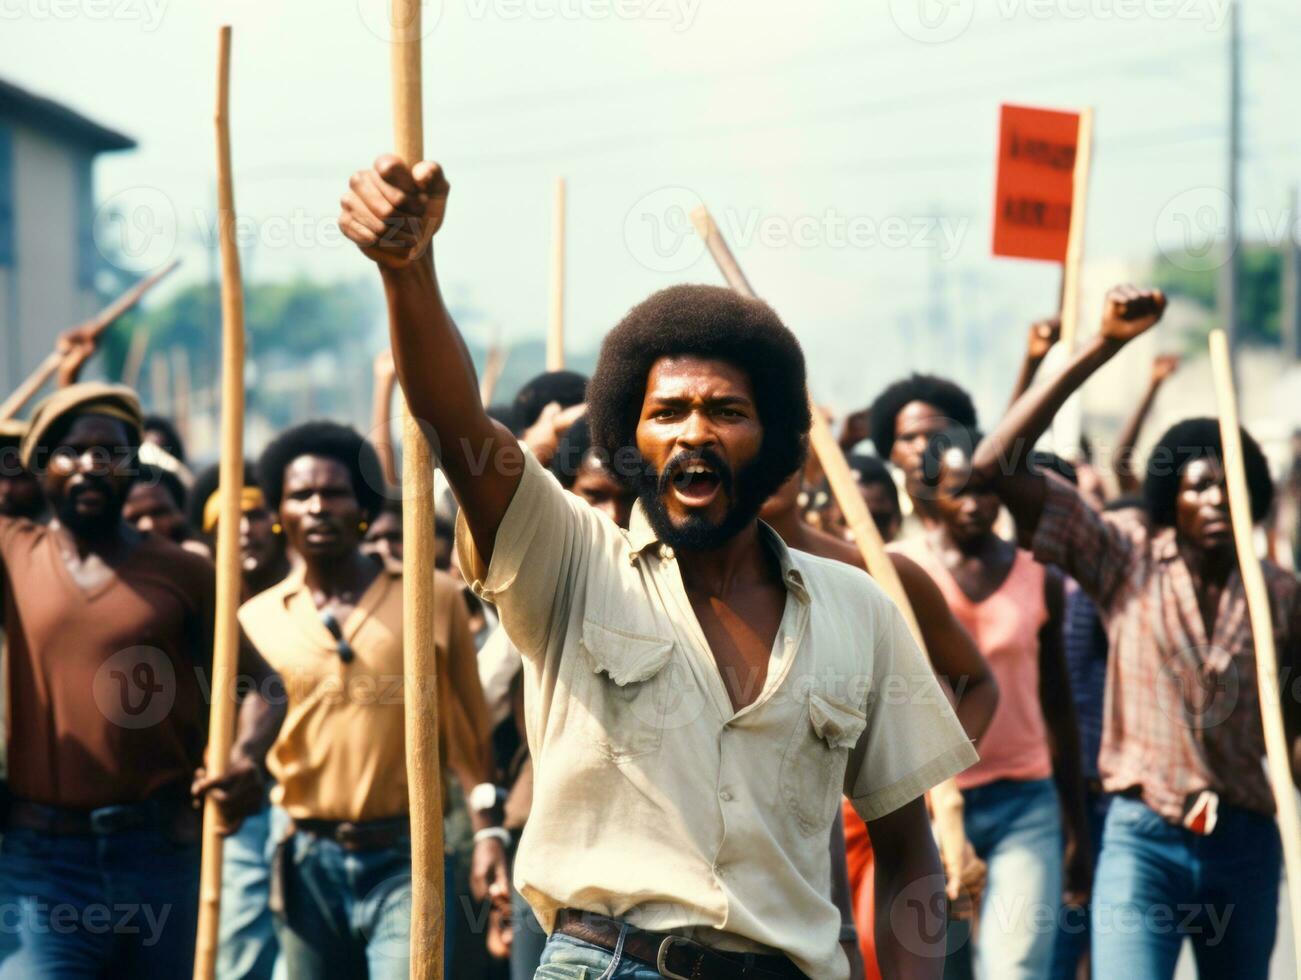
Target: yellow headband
249	499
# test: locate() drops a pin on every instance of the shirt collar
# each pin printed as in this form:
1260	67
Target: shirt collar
641	536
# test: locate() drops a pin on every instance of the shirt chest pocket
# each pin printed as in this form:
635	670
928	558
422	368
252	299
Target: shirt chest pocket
630	690
813	765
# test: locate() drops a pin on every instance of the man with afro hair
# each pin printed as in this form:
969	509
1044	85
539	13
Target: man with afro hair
687	680
1192	824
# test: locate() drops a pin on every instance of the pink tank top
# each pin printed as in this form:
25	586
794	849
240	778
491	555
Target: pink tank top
1005	628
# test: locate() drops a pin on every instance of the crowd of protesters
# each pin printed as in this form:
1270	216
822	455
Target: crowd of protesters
683	733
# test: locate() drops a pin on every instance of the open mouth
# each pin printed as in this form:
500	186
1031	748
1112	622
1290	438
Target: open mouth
697	484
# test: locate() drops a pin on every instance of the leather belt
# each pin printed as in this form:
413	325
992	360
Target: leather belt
675	957
176	818
364	835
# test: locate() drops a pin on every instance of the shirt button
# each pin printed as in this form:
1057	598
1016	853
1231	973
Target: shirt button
725	796
666	553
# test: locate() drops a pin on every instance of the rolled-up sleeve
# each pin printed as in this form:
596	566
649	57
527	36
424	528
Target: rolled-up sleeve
1077	539
541	546
913	740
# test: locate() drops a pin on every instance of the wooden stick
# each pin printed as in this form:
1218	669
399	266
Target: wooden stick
1262	631
181	405
945	798
424	769
135	358
556	329
493	366
96	325
225	652
1070	312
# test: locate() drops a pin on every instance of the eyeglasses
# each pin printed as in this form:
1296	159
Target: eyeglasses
345	652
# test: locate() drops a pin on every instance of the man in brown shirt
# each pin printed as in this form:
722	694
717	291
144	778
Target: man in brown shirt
109	639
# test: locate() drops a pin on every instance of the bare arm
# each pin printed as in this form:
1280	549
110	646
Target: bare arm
910	906
1162	368
999	458
1043	335
381	424
953	653
841	898
392	213
1063	737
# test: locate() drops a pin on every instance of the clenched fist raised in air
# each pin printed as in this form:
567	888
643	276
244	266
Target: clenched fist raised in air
392	211
1128	311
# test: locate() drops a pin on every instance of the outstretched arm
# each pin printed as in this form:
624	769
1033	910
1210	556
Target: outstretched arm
392	213
1043	334
1162	368
999	458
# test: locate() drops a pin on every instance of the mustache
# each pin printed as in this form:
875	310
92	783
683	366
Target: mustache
674	469
90	484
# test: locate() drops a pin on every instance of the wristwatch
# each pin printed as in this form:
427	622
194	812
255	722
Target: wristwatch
484	797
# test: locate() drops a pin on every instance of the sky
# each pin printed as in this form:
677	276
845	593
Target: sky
793	123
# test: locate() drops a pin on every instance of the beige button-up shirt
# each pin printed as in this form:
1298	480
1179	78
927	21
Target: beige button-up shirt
656	802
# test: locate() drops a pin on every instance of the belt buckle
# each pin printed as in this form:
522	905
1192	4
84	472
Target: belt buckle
661	959
114	819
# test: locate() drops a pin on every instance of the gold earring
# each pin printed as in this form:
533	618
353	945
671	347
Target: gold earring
277	529
361	526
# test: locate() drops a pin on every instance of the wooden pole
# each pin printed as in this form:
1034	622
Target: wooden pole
1070	312
493	366
1262	631
424	769
225	652
96	325
135	358
556	327
945	798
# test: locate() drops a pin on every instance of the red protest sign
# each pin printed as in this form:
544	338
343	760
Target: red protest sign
1036	166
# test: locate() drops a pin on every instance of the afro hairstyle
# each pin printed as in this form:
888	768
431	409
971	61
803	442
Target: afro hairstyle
566	387
149	475
1190	440
948	397
574	447
171	437
332	441
870	471
708	322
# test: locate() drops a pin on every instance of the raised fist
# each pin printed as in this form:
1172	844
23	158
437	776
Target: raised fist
1043	335
1128	311
1163	366
392	211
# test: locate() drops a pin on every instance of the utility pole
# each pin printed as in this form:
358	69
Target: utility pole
1289	324
1228	291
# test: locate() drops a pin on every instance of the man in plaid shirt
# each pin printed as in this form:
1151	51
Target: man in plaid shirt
1190	848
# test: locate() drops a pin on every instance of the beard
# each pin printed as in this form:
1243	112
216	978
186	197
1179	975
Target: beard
746	492
90	525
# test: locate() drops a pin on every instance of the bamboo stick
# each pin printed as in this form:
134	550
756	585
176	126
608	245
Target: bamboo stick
424	770
1262	632
556	325
225	653
96	325
1071	269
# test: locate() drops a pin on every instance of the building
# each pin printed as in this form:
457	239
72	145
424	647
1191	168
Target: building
48	258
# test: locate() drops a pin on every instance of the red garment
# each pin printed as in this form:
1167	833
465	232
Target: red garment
860	859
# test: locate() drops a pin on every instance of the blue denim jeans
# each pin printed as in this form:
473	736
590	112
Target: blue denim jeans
347	913
249	949
1015	827
565	958
87	906
1158	884
529	939
1073	930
